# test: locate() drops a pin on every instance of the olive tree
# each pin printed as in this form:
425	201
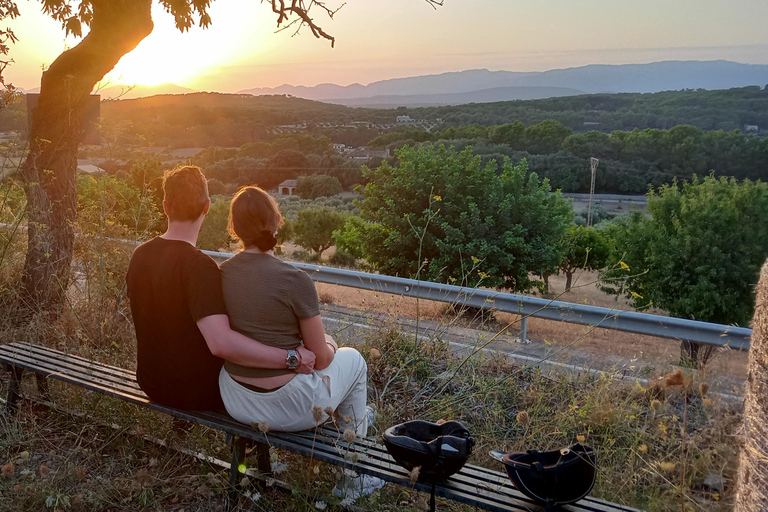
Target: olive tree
699	253
442	216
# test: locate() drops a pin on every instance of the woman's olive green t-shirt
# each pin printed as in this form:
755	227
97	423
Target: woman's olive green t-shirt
265	298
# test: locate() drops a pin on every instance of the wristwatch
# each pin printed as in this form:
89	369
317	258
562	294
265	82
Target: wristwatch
293	360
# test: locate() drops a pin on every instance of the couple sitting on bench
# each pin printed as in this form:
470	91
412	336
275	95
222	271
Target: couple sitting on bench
248	336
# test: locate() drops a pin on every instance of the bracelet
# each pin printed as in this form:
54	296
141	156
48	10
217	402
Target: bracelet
334	347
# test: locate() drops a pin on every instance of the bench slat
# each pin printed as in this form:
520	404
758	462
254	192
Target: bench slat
57	368
452	488
74	365
53	353
497	480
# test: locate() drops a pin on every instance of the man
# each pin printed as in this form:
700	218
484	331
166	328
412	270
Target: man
182	328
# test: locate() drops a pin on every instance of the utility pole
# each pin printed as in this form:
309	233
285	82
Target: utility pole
593	164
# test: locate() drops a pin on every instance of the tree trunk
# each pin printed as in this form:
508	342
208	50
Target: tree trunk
568	281
49	171
752	484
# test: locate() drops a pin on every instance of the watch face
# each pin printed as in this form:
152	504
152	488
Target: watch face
292	361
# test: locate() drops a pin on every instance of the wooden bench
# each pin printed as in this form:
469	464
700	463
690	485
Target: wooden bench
473	485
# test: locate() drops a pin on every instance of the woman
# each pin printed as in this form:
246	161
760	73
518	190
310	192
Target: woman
276	303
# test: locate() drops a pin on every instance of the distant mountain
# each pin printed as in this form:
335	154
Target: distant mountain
595	78
459	98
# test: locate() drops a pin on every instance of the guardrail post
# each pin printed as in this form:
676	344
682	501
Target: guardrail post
524	330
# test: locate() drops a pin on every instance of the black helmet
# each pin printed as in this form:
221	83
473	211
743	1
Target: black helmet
558	477
440	450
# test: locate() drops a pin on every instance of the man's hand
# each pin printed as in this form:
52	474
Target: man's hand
307	360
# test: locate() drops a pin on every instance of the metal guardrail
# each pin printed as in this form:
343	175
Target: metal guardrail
737	338
607	318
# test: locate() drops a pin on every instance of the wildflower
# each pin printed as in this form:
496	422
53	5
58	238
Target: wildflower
264	427
320	505
657	406
703	389
350	435
253	496
667	466
675	379
440	421
375	353
643	448
317	413
329	411
43	470
316	470
7	469
581	438
414	475
523	418
348	501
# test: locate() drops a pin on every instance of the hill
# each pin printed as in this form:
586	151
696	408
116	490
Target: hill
594	78
709	110
460	98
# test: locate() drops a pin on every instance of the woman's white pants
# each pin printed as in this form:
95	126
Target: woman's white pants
342	387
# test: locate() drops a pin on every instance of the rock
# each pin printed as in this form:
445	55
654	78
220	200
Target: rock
715	482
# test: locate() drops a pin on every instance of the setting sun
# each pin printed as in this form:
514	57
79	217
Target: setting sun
170	56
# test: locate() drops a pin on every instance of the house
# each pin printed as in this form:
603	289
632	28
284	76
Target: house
286	188
751	128
405	120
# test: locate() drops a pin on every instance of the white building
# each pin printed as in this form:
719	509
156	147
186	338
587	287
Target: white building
286	188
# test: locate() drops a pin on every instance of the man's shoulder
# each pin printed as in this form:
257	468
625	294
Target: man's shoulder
173	255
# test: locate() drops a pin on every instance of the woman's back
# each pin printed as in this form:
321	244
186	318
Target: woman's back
265	298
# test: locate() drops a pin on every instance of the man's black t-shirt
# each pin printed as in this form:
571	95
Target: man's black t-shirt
171	285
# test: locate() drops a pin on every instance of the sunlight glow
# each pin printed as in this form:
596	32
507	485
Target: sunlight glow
169	56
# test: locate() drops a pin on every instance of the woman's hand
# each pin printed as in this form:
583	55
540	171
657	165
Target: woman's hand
331	342
314	337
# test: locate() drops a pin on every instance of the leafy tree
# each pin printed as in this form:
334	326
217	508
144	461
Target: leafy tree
285	164
317	185
115	207
512	134
698	255
213	233
584	248
546	137
314	227
442	216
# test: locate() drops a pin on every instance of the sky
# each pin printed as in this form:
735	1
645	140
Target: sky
381	39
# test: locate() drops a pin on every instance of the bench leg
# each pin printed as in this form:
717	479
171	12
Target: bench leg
263	461
238	456
13	389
